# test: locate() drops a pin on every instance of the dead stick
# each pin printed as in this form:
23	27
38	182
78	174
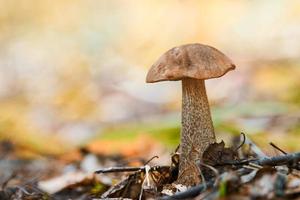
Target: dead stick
119	169
286	159
292	158
276	147
192	192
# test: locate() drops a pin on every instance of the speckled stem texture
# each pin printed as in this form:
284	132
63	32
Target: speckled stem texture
197	129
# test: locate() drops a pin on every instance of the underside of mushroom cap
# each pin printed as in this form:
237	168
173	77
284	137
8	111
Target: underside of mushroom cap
190	61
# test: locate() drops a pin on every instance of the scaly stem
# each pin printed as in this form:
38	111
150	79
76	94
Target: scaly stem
197	129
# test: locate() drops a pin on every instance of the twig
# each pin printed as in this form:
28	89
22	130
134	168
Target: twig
150	160
23	190
279	160
276	147
202	177
192	192
243	141
255	165
119	169
177	148
286	159
249	167
217	175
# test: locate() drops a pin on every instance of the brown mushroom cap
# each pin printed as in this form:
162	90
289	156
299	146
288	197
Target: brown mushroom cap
190	61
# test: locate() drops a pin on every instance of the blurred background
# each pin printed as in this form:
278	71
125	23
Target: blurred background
72	72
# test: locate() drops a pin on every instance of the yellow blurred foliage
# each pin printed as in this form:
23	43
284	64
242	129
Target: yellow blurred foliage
76	98
276	81
29	141
59	59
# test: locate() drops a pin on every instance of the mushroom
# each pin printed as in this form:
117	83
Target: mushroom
192	64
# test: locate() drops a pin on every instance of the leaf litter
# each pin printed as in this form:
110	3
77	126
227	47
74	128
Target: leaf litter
242	171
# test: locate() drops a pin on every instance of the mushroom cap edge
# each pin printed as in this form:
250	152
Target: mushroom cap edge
196	61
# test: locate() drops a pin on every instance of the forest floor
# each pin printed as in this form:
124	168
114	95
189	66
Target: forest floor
242	171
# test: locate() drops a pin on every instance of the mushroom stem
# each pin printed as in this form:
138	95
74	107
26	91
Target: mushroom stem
197	129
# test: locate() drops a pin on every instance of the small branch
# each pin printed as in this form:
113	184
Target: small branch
150	160
192	192
124	169
243	141
119	169
215	171
279	160
177	148
286	159
276	147
251	164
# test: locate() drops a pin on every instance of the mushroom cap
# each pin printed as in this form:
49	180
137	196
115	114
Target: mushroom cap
196	61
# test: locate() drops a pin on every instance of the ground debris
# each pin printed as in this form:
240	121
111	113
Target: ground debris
146	182
240	172
217	153
214	156
249	174
88	188
27	191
